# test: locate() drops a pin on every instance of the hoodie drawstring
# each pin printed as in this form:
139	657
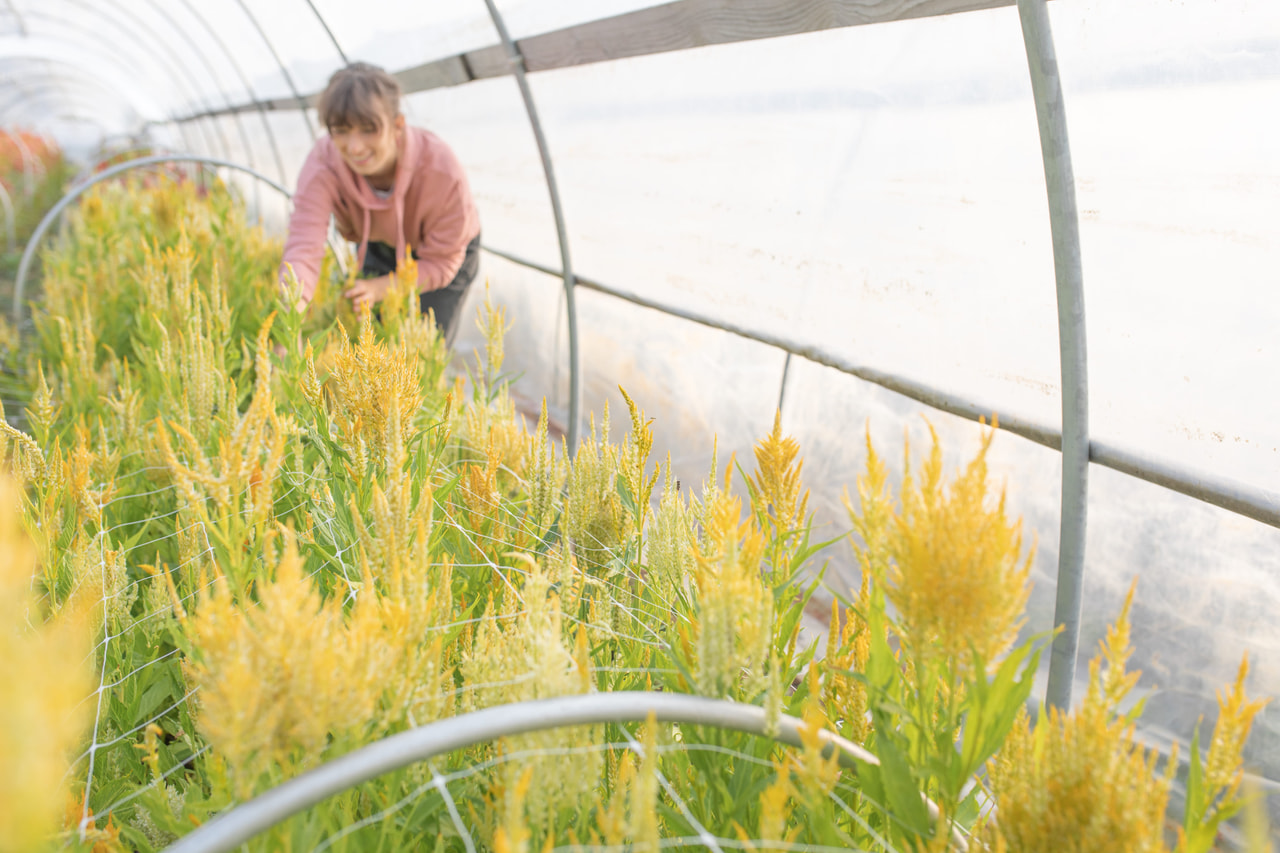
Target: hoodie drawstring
364	239
399	208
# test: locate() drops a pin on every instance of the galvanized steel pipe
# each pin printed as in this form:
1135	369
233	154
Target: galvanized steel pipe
566	266
1064	223
248	87
284	72
229	830
1261	505
28	254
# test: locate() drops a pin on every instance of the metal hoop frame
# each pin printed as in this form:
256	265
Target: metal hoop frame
155	45
244	81
284	72
1064	223
230	829
562	235
28	254
198	50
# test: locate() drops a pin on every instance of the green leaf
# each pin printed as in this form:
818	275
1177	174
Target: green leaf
806	551
990	707
1193	813
794	613
906	805
624	494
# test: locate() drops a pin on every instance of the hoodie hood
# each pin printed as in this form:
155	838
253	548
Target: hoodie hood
355	187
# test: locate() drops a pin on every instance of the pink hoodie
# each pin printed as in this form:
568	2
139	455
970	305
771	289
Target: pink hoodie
430	208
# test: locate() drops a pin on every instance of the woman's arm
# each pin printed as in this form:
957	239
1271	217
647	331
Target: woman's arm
313	203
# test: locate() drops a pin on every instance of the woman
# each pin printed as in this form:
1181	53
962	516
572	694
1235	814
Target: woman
389	187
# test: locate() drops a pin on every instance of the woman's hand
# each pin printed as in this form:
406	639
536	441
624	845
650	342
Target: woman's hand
368	292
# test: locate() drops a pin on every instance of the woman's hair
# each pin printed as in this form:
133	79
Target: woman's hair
358	95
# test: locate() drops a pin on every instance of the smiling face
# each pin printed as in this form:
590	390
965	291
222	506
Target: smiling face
370	149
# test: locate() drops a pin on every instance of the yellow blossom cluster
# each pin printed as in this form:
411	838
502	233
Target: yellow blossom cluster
267	699
519	653
631	813
950	564
848	650
45	673
734	613
1079	781
780	495
372	388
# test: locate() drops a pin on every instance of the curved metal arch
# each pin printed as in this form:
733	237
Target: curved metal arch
147	39
49	82
112	70
1064	222
42	97
284	72
176	68
28	253
230	829
332	38
61	23
47	95
43	70
562	235
244	81
22	24
53	69
194	46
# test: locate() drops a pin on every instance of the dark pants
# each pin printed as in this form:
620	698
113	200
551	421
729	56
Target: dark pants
445	303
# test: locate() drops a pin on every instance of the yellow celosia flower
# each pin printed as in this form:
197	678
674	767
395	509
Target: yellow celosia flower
777	485
519	655
848	650
734	614
45	673
777	830
266	698
950	564
816	773
240	481
594	519
27	461
631	815
369	380
668	547
1080	781
43	409
401	301
1224	767
546	477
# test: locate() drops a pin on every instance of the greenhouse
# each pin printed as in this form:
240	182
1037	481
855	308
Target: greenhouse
608	425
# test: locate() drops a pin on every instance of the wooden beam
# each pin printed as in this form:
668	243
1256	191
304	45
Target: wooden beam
700	23
679	25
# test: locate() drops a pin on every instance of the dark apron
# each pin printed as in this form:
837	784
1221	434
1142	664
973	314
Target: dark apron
445	303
